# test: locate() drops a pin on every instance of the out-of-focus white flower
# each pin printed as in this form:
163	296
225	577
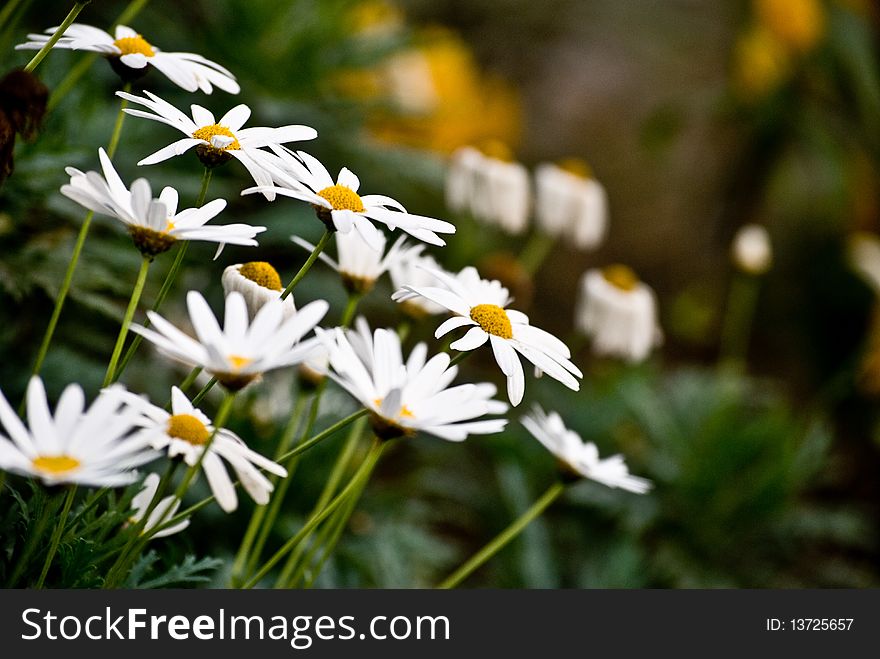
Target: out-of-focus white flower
570	203
259	283
480	304
579	457
414	269
161	513
751	249
619	313
130	54
91	446
405	397
863	250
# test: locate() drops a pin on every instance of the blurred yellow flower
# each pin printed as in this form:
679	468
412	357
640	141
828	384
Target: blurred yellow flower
798	24
376	18
760	64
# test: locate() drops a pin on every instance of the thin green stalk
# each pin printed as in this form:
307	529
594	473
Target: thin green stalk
189	379
741	303
460	357
308	264
536	251
77	251
363	473
35	534
109	377
334	530
503	538
56	536
199	397
71	17
324	434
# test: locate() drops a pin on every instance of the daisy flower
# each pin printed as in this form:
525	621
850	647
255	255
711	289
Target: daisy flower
405	397
185	432
751	250
414	268
91	446
480	305
339	205
359	265
129	54
619	313
153	223
164	510
570	203
579	458
237	354
259	283
217	141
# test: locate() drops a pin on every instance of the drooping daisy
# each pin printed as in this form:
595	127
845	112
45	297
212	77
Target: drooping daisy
570	203
218	141
186	431
480	304
339	205
414	268
91	446
751	250
580	458
154	224
619	313
163	511
237	354
359	265
406	397
129	54
259	283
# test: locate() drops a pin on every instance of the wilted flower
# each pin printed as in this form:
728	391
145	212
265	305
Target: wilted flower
22	106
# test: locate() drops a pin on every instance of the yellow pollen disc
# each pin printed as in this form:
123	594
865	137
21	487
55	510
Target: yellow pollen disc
261	273
496	149
493	319
621	276
169	227
55	464
576	166
404	412
208	132
133	45
238	362
342	198
188	428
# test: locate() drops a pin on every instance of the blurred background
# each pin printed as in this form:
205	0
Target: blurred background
697	118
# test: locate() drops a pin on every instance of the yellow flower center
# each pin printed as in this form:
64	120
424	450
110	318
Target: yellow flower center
342	198
621	276
133	45
207	133
404	413
239	362
496	149
262	274
577	167
55	464
188	428
493	319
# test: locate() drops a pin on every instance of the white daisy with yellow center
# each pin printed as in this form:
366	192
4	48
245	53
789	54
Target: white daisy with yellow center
93	446
619	313
481	304
155	224
163	511
340	206
186	431
216	141
242	350
259	283
406	397
135	54
571	203
579	457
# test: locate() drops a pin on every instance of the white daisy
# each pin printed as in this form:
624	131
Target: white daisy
162	512
480	304
570	203
154	224
186	431
91	446
414	268
259	283
405	397
237	354
339	205
130	54
218	141
360	265
751	250
619	313
579	457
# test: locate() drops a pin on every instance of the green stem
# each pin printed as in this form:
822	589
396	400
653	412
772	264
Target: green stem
199	397
34	535
71	17
536	251
56	536
189	379
110	376
330	536
362	473
460	357
503	538
324	434
308	264
741	303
